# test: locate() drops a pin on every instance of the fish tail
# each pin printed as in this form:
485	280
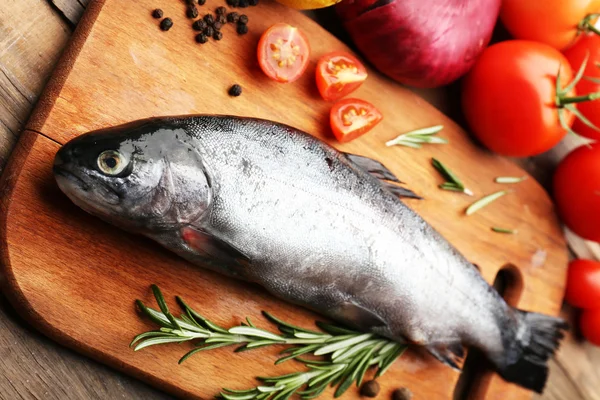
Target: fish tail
527	352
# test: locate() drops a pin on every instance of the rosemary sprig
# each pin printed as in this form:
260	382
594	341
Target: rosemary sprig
452	182
510	179
484	201
418	137
504	230
347	354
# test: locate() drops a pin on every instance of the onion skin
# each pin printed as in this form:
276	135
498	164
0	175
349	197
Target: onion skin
420	43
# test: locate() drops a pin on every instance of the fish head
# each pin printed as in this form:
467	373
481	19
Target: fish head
141	176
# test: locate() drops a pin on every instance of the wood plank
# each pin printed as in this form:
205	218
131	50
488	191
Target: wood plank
71	10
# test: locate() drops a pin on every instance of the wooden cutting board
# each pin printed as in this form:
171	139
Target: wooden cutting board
75	278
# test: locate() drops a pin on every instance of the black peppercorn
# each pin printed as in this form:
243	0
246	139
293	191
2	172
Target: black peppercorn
232	3
221	10
166	24
369	389
253	2
199	25
209	31
191	12
217	25
222	19
158	13
243	19
235	90
233	17
189	2
402	394
201	2
243	3
242	29
201	38
218	35
209	19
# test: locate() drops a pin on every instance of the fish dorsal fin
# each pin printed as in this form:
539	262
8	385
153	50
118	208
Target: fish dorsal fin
359	316
373	167
210	246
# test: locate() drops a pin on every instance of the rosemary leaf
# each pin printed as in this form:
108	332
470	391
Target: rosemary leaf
203	348
484	201
254	332
453	183
418	137
504	230
510	179
348	342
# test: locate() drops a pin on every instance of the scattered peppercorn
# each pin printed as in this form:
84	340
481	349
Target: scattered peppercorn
243	19
232	3
201	38
201	2
217	25
243	3
232	17
166	24
222	19
209	31
402	394
242	29
218	35
209	19
199	25
369	389
191	12
221	10
253	2
235	90
158	13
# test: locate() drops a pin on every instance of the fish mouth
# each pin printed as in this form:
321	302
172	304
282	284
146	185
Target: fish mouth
61	171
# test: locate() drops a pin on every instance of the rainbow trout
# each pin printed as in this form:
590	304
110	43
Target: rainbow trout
266	203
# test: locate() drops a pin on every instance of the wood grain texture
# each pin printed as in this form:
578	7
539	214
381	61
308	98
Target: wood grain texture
147	72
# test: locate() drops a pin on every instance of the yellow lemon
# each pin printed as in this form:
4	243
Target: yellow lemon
308	4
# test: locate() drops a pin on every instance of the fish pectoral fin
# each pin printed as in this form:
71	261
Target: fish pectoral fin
359	315
400	191
211	246
374	167
448	353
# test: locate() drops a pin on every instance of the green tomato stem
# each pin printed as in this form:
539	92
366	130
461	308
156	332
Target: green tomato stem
585	25
578	99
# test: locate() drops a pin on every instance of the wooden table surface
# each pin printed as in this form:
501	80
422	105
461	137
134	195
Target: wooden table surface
33	34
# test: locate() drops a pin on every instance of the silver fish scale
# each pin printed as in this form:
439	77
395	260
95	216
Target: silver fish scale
324	233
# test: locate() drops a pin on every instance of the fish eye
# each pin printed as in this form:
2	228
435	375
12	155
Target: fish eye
111	162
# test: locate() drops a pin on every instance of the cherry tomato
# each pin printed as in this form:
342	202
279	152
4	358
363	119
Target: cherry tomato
338	74
583	284
577	191
283	52
590	325
554	22
588	45
351	118
509	96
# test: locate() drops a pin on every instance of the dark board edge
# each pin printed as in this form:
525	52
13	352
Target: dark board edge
63	67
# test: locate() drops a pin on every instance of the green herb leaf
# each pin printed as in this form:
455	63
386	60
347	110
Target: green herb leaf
510	179
418	137
453	183
484	201
504	230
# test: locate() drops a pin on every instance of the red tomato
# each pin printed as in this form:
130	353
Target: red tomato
588	45
590	325
283	52
338	74
553	22
351	118
509	97
577	191
583	284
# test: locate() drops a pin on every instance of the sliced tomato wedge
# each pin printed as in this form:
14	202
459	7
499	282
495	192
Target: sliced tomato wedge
351	118
339	74
283	52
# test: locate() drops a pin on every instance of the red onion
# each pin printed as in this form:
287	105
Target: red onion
422	43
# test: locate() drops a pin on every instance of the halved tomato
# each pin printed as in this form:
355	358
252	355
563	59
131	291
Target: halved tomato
283	52
338	74
351	118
